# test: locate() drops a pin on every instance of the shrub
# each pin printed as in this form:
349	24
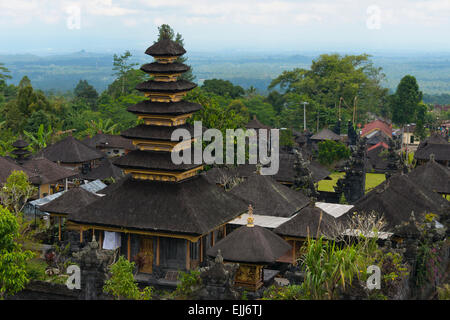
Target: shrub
122	284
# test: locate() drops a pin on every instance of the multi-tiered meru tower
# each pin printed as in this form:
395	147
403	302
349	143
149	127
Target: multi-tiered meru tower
167	214
161	115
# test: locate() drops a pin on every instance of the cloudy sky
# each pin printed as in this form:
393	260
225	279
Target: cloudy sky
39	26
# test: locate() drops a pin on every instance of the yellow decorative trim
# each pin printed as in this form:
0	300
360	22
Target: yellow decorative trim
165	77
169	146
164	120
162	175
165	97
165	60
84	227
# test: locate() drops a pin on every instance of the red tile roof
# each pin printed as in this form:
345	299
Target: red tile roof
379	144
377	125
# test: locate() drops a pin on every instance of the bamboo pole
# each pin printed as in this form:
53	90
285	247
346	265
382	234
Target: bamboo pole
129	248
201	249
157	251
188	255
59	229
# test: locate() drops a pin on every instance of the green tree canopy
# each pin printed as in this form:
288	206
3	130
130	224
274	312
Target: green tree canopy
405	101
13	274
85	92
3	72
122	66
331	151
332	77
223	88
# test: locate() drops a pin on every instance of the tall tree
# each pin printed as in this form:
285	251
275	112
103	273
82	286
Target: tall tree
3	72
122	66
405	102
332	77
85	92
166	32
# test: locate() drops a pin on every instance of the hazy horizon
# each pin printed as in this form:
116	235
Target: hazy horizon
403	26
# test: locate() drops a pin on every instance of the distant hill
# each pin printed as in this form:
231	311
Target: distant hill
63	71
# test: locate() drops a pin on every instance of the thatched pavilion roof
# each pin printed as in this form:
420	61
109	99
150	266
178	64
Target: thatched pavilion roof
268	197
70	201
7	166
286	171
309	222
250	245
326	134
192	206
103	140
46	170
70	150
397	197
432	176
104	171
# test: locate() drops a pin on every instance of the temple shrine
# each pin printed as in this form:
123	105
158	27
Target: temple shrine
167	215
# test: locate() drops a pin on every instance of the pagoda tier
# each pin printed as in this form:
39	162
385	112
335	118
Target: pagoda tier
165	48
164	113
164	108
158	138
19	150
166	71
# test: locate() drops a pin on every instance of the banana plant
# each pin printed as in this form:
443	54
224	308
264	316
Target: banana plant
41	138
100	126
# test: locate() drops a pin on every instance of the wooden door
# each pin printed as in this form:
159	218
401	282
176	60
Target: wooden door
146	252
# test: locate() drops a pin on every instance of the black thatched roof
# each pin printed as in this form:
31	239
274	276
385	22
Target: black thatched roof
164	68
268	197
397	197
165	48
286	171
256	124
434	138
143	131
151	160
103	140
8	166
70	150
377	161
165	87
104	171
70	201
326	134
441	152
46	170
250	245
432	176
192	207
20	144
169	108
308	222
218	175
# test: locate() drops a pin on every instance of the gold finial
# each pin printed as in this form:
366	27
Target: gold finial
250	218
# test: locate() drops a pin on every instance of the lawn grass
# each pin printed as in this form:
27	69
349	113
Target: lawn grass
372	180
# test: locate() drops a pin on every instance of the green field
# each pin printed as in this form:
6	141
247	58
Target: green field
372	180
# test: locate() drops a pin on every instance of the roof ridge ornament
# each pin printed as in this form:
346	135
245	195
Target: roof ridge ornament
250	218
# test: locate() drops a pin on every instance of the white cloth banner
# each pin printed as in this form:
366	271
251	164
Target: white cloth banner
111	241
